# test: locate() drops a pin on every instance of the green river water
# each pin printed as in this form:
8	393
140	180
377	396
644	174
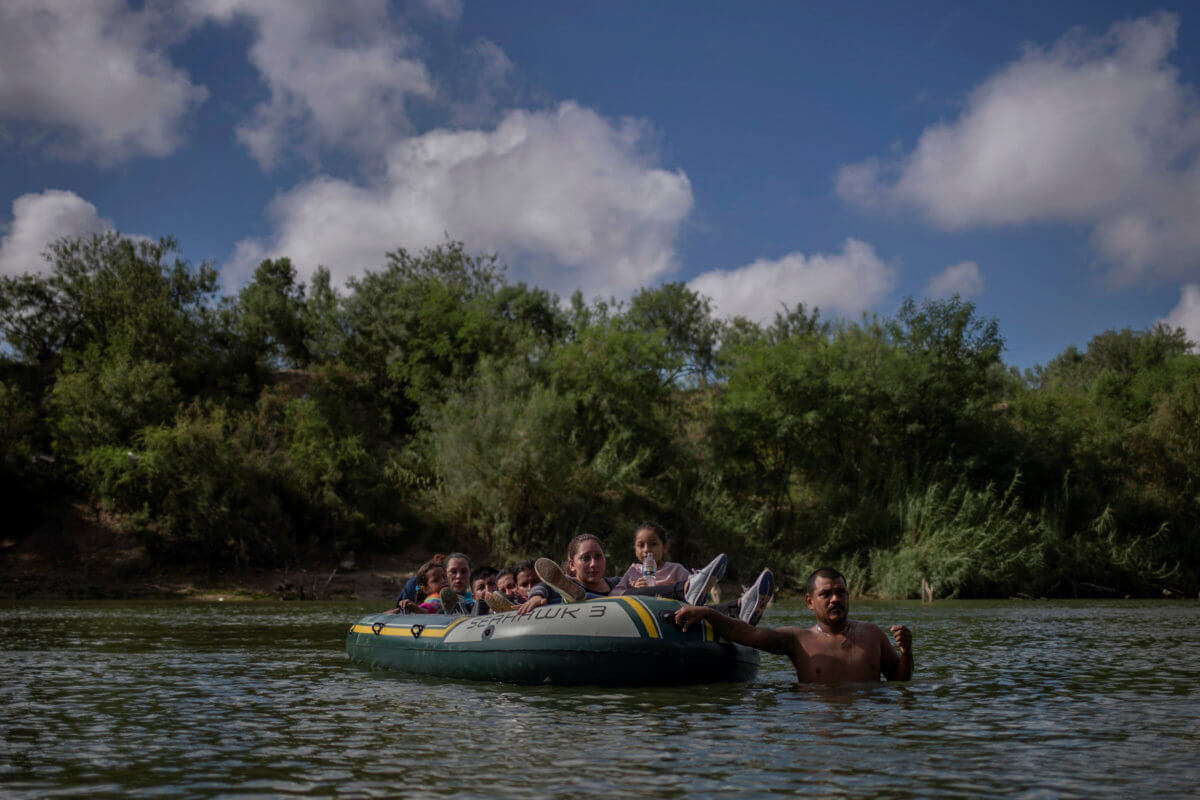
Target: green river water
1010	699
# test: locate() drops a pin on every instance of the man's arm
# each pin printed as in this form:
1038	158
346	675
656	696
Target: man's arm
896	667
781	641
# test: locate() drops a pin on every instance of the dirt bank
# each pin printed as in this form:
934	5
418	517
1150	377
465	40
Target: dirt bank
81	555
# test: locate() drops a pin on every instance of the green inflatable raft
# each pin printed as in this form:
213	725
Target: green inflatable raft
611	641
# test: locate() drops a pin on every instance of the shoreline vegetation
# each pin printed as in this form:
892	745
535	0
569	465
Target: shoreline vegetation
152	426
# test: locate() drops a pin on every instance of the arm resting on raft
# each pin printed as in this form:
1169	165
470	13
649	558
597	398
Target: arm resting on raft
781	641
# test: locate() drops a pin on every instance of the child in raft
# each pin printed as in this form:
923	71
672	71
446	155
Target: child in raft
484	580
513	585
650	538
526	577
431	580
506	581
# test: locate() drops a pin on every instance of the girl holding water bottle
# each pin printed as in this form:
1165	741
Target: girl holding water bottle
651	567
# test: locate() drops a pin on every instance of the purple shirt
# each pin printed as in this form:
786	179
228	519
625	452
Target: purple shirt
669	573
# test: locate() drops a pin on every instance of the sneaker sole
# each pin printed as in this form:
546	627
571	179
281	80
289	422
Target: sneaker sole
553	576
499	604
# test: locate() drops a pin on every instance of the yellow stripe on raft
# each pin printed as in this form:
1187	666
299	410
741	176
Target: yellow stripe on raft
406	631
643	615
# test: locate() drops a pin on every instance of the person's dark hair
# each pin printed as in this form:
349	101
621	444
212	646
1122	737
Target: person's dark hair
576	543
573	548
423	573
823	572
484	573
654	527
523	567
507	571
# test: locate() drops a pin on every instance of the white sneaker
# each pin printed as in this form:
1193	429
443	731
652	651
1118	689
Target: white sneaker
702	580
754	600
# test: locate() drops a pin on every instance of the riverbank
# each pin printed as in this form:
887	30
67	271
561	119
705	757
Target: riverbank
83	556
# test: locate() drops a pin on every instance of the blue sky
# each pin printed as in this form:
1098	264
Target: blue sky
1039	159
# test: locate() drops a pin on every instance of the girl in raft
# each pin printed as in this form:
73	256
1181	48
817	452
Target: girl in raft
650	538
586	563
431	582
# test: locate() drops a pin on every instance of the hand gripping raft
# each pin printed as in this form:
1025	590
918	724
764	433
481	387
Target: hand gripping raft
612	641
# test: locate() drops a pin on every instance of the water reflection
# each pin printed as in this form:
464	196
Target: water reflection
1010	699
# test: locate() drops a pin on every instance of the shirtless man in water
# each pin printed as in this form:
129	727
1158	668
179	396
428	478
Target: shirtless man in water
834	650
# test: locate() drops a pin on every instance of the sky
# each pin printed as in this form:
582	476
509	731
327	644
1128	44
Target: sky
1038	159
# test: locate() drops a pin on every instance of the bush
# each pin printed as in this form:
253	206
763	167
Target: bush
104	400
966	543
206	492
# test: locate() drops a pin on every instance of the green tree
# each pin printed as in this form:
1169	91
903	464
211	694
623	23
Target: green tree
112	291
421	324
683	318
272	314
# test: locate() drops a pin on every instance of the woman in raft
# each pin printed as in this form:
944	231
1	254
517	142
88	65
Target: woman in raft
586	564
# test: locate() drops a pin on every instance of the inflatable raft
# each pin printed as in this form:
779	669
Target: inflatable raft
612	641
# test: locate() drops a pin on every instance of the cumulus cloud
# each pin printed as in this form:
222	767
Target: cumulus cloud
41	219
963	279
563	188
337	73
848	282
1186	314
93	78
1094	131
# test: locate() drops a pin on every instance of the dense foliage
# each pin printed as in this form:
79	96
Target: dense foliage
434	401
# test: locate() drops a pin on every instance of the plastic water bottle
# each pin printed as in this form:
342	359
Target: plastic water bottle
649	569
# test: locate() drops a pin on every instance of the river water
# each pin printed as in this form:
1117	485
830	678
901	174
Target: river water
1010	699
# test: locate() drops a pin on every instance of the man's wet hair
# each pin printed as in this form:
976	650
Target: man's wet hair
822	572
484	573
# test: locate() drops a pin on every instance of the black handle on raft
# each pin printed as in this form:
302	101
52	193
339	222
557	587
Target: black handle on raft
417	630
668	616
376	628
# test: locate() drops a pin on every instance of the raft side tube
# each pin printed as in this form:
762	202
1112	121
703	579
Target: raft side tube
625	641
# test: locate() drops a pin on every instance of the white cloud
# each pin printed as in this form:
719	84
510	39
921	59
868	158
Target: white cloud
1097	131
41	219
93	75
848	282
556	189
963	279
1186	314
338	73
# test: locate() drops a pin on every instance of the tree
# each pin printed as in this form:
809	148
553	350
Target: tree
421	324
683	319
109	290
272	314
